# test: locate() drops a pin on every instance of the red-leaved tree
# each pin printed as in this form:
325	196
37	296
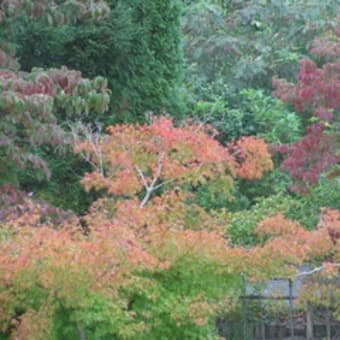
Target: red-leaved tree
316	96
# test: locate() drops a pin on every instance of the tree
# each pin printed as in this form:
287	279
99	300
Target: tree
59	13
247	43
146	244
136	47
160	153
316	97
36	104
33	103
145	261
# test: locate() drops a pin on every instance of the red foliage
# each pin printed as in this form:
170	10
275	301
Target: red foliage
31	102
310	156
317	94
20	209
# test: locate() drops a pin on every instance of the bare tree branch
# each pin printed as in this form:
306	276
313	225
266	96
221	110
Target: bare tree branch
140	172
315	270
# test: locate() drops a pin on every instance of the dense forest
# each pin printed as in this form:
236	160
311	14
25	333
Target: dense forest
160	160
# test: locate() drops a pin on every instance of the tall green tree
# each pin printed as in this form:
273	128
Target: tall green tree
137	48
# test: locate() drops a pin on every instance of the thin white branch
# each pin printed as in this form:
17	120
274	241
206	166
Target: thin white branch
315	270
80	131
310	272
140	172
146	197
150	188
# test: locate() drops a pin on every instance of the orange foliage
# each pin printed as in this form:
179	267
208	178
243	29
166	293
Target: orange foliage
120	236
19	209
330	219
134	158
278	225
145	155
253	157
292	240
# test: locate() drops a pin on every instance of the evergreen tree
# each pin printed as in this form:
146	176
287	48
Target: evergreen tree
137	48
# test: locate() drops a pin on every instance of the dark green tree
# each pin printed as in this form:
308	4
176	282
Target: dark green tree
137	48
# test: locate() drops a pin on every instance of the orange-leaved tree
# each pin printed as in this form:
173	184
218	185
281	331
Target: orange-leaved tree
287	243
147	157
145	262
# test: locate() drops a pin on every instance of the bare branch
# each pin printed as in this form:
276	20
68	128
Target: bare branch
315	270
146	197
140	172
151	188
80	132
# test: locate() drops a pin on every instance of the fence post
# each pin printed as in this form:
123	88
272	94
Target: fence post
309	322
328	323
263	330
291	320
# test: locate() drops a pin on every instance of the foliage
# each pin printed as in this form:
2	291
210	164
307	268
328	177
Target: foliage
273	122
143	263
307	206
31	104
316	97
56	13
246	43
255	114
36	105
304	209
50	12
62	189
161	154
167	249
177	220
136	47
18	206
240	229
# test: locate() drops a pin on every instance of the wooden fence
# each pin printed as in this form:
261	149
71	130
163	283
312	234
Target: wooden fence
314	323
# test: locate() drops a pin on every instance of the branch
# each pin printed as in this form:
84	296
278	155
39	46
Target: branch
93	139
165	182
140	173
315	270
146	197
151	188
310	272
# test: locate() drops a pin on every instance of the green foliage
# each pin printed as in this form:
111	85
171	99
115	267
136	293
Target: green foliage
271	183
63	188
171	308
159	304
215	195
137	48
274	122
234	45
242	223
255	113
304	209
246	43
